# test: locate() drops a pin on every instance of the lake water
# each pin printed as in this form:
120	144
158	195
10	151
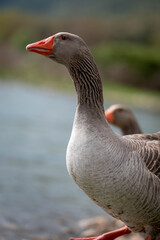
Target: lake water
36	194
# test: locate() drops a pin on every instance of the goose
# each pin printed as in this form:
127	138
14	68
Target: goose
121	174
122	117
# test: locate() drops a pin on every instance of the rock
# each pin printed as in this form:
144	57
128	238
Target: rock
11	225
99	225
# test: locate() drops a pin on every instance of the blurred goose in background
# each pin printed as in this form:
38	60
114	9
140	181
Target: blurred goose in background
122	117
121	174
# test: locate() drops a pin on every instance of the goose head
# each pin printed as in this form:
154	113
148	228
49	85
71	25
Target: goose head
122	117
118	115
61	47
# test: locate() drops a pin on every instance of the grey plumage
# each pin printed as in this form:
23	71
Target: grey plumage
120	174
148	146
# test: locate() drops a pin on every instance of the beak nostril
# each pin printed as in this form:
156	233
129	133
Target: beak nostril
41	42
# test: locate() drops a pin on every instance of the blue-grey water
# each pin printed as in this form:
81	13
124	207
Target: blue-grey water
36	194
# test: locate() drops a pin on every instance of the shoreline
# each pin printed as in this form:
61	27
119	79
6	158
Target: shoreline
113	92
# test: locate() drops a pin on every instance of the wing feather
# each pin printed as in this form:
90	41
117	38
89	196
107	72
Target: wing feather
148	147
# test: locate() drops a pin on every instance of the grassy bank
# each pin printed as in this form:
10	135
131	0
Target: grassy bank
114	92
18	65
33	69
133	64
140	98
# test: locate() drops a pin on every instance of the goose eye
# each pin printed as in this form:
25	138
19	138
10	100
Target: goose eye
120	110
64	37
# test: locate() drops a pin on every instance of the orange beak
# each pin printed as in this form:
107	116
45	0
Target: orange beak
109	116
43	47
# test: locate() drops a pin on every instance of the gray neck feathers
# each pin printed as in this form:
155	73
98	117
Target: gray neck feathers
132	127
87	80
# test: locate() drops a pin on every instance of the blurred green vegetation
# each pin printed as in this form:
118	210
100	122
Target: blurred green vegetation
142	61
143	58
126	49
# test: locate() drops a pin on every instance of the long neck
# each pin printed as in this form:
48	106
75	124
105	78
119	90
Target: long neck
87	82
132	127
